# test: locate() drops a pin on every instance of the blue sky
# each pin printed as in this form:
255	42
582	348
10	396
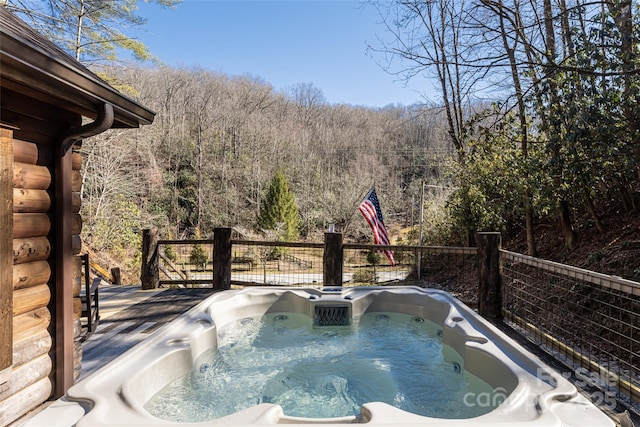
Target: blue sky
283	43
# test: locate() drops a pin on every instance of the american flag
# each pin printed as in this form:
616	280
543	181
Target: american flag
370	209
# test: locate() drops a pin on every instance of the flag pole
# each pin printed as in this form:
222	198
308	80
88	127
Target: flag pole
355	206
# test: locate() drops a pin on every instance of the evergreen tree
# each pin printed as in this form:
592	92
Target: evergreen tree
198	255
278	210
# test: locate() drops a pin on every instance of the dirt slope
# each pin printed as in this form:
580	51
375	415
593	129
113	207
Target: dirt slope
616	251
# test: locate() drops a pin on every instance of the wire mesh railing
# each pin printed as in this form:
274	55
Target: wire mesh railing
451	268
367	265
276	263
588	320
185	262
190	263
454	269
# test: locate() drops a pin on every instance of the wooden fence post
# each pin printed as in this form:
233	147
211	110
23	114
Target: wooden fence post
332	259
116	276
222	258
490	284
150	274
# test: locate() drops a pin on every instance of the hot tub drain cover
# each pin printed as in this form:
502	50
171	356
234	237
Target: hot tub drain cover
327	315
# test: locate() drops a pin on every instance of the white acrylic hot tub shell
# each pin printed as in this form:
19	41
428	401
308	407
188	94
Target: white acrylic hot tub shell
115	394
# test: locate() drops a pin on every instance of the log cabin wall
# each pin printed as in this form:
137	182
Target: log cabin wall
44	96
30	380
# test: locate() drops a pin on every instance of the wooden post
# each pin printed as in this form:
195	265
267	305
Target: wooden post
116	276
150	274
332	259
490	284
6	253
222	258
63	290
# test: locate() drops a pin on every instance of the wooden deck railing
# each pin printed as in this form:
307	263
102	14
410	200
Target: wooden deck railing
221	262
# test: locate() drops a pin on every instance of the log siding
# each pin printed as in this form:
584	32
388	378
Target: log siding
45	94
29	382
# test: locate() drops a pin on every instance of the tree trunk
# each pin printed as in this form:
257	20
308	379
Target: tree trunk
592	210
79	26
623	18
200	177
564	217
522	117
564	213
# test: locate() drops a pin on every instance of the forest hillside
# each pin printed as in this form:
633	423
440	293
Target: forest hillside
614	250
535	133
218	141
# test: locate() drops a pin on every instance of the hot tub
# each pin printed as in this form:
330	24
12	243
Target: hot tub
516	388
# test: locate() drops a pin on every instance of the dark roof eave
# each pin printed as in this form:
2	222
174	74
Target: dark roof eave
53	75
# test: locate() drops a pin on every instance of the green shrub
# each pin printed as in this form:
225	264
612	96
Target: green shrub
367	276
170	252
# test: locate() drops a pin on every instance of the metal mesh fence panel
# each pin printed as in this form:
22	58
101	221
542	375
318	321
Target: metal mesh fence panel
185	263
276	264
588	320
367	265
455	271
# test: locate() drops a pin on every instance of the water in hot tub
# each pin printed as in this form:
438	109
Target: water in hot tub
325	372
